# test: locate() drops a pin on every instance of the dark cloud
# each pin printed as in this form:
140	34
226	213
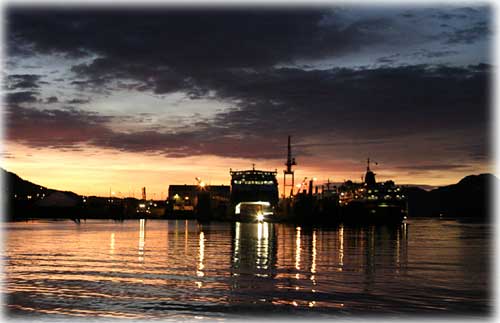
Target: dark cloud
52	99
21	97
408	15
70	128
368	106
468	35
23	81
193	143
53	128
436	54
7	155
180	37
235	54
78	101
383	102
420	55
191	39
449	16
389	59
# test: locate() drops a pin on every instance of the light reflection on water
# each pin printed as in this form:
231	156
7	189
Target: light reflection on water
182	269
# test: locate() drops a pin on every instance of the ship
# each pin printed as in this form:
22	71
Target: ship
370	201
254	194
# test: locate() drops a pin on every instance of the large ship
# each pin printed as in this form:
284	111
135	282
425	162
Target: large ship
254	194
370	201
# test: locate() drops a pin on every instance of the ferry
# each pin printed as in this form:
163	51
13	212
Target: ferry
370	201
254	194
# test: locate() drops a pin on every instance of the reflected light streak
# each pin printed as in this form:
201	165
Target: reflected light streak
166	238
341	247
262	245
237	234
201	255
141	239
297	249
397	250
259	231
313	262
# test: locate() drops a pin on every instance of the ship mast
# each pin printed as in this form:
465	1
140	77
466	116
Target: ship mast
369	176
288	171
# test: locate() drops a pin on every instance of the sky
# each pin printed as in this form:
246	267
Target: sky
117	98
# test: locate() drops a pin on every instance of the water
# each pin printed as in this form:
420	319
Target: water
179	269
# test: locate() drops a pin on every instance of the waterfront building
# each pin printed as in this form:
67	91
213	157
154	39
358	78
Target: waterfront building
186	197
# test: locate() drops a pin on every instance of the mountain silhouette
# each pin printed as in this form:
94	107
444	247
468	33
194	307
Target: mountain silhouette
470	197
14	185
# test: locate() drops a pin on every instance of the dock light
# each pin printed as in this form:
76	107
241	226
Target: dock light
142	205
260	216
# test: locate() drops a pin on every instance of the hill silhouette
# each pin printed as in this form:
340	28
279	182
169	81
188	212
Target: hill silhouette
16	186
471	197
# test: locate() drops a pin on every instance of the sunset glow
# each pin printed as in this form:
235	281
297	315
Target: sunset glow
107	107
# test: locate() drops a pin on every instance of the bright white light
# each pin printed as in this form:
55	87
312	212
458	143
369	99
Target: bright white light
260	217
142	205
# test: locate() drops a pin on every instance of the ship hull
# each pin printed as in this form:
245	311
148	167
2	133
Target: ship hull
359	212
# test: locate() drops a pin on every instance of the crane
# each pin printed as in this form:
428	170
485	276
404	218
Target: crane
304	182
201	183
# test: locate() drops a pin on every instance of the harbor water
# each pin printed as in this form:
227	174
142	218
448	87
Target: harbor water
180	269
